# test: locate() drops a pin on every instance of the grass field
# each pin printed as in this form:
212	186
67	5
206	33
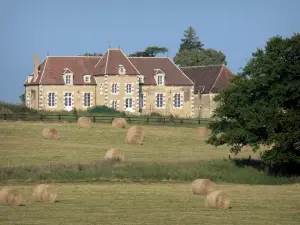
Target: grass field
174	154
168	204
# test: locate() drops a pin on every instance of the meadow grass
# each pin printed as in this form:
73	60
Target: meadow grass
168	204
168	153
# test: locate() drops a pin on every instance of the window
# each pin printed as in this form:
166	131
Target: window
128	103
114	88
28	99
142	100
68	99
87	79
177	101
160	80
87	99
121	69
128	88
114	104
159	100
68	79
51	99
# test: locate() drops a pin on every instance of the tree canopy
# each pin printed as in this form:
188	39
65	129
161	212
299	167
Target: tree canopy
150	51
262	105
92	54
192	52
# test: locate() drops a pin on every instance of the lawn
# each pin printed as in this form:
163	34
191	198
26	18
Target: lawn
172	203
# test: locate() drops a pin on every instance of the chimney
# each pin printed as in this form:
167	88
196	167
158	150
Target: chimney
35	66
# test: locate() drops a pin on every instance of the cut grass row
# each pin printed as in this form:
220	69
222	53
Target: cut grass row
168	204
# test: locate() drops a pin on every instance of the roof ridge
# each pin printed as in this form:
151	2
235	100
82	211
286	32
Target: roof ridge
129	61
106	61
201	66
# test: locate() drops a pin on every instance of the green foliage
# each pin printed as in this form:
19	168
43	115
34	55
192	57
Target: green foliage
190	41
105	110
192	53
4	110
22	98
150	51
262	106
92	54
16	108
217	170
200	58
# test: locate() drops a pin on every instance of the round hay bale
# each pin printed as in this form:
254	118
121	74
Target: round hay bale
114	154
85	122
135	135
217	200
50	133
45	193
119	122
10	196
203	131
202	186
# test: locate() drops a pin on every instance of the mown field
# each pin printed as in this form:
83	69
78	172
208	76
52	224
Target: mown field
156	178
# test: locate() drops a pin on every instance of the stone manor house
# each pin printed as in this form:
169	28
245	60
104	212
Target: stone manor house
140	85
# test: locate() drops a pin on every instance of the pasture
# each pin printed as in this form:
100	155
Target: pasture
157	175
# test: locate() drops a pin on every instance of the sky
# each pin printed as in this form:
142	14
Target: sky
72	27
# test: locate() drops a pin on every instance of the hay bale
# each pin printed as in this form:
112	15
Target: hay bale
202	186
203	131
45	193
50	133
10	196
217	200
135	135
84	122
114	154
119	122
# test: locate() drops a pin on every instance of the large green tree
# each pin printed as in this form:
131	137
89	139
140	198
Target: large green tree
22	98
190	41
262	105
150	51
192	53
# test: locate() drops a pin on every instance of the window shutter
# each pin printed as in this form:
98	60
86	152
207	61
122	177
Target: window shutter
55	99
132	88
174	100
118	88
133	102
91	95
144	100
83	98
118	104
163	100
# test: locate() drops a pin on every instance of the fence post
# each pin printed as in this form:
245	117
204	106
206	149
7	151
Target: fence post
94	119
5	118
59	117
148	120
129	121
199	121
181	121
41	117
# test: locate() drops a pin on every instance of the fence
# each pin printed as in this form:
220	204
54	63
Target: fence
104	119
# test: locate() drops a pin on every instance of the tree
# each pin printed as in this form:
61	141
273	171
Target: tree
22	99
150	51
200	58
192	53
191	41
92	54
262	105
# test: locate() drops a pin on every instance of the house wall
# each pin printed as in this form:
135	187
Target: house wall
187	110
105	95
59	90
32	96
205	105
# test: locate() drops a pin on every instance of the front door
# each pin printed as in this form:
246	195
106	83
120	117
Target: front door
68	101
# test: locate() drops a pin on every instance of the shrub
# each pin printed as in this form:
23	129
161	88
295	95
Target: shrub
105	110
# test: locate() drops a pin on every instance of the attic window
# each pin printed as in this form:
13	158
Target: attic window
160	80
87	79
68	79
121	69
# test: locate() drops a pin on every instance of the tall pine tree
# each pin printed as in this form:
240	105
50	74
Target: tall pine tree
190	41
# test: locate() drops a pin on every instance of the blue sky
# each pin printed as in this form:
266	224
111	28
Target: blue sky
72	27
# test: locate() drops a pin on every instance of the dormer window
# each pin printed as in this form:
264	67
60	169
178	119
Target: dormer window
68	79
122	70
87	78
68	76
160	80
159	76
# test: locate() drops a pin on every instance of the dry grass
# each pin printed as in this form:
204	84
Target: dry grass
10	196
203	131
85	122
135	135
158	204
114	154
50	133
119	122
217	200
44	193
202	186
19	146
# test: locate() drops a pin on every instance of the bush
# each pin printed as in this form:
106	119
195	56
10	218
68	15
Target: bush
16	108
4	110
105	110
